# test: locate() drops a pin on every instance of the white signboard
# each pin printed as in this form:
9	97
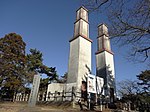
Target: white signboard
91	83
34	90
100	84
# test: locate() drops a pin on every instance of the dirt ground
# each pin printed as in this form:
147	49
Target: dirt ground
23	107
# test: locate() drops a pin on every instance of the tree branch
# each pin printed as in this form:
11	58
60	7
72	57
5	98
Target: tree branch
99	4
142	50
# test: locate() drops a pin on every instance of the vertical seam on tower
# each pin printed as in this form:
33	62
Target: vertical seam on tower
78	58
103	43
79	22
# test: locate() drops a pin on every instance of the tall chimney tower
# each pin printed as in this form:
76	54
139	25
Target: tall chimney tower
80	51
105	62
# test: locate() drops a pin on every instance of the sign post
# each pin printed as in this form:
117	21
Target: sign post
100	83
34	91
91	86
89	100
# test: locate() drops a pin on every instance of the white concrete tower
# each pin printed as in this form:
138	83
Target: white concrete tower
105	62
80	50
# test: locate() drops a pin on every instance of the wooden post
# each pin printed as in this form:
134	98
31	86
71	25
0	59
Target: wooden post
20	97
101	106
89	100
27	97
55	96
72	94
14	97
62	95
23	97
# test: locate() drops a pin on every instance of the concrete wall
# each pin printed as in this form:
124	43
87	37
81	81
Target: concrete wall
55	87
110	63
60	92
53	90
80	56
73	61
84	60
105	69
103	60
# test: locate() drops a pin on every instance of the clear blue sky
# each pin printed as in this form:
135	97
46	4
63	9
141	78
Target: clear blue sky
48	25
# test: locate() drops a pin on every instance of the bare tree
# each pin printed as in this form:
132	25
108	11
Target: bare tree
127	87
129	24
132	91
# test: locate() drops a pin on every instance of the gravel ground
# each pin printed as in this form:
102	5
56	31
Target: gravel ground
22	107
10	107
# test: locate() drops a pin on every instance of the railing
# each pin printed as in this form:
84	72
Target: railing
44	96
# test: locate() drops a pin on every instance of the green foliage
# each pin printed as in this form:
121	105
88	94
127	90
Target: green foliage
43	84
144	78
34	60
12	64
12	61
17	69
35	64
